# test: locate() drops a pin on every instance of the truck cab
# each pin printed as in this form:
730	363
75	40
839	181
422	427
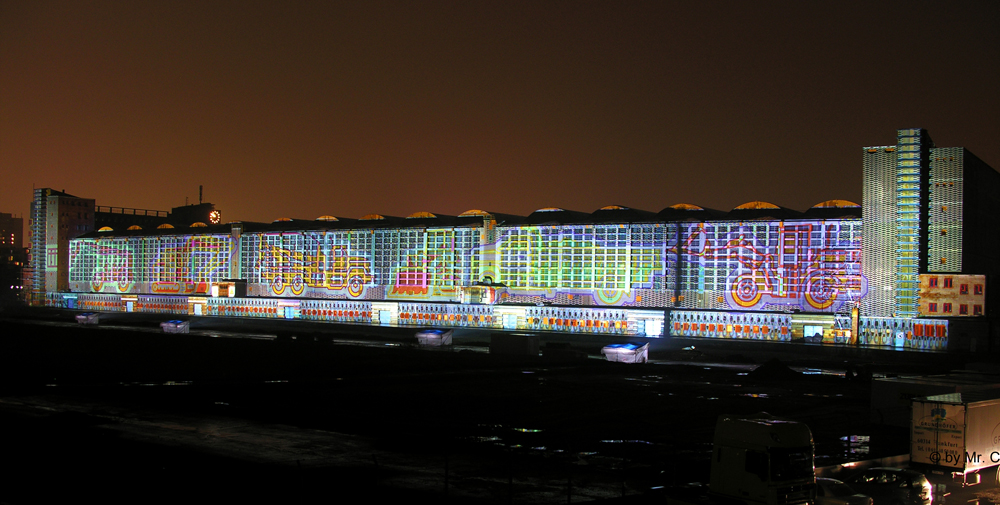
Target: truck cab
763	459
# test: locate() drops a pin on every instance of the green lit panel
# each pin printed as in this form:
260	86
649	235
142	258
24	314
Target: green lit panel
580	257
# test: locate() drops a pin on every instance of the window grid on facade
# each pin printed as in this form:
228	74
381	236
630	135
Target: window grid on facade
146	260
765	265
945	208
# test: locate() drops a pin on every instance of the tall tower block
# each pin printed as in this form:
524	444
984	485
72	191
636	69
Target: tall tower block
894	217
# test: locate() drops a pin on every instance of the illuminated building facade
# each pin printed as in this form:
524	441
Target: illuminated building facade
963	195
929	210
952	295
611	271
840	272
758	272
56	218
924	207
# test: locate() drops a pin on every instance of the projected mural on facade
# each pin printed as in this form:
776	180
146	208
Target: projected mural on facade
164	264
811	266
765	265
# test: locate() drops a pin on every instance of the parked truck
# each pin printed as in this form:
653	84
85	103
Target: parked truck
758	459
958	433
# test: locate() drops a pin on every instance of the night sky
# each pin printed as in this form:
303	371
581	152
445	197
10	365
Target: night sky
300	109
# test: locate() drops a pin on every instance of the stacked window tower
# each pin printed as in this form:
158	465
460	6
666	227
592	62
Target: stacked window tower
945	210
894	217
878	217
913	145
39	212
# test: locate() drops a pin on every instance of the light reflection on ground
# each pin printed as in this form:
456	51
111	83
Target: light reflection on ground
603	417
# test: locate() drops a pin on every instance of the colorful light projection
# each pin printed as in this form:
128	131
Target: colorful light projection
435	264
737	325
594	320
605	263
168	264
286	264
422	264
767	265
103	263
292	270
904	333
813	266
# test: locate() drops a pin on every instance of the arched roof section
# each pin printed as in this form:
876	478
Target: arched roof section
282	220
327	218
134	227
834	209
199	224
475	212
688	212
621	214
757	205
487	215
762	211
372	217
835	204
556	215
685	206
422	215
165	226
106	229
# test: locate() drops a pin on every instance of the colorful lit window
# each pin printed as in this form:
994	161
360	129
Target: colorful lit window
933	282
978	289
947	282
963	289
947	308
963	309
931	307
977	310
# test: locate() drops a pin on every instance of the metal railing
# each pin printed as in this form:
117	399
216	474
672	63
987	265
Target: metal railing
133	212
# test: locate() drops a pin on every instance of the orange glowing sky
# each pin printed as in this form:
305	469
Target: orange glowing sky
296	109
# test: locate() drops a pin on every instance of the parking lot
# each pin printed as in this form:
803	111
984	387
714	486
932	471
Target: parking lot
253	410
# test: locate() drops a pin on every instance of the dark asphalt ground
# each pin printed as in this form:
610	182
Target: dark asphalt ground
295	413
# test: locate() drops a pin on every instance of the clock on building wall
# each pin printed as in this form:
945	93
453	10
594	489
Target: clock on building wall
215	217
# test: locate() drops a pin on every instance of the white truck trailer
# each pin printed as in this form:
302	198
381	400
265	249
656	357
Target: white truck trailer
958	433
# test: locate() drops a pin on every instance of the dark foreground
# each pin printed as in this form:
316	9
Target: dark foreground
128	416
